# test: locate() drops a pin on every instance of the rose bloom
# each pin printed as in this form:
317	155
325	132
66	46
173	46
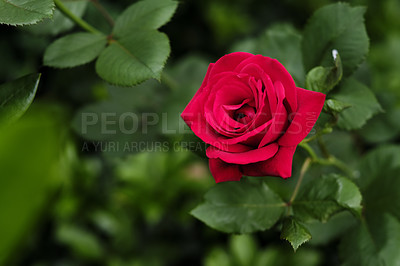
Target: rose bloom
250	112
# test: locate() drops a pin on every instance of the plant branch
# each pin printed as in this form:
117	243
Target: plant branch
323	148
169	81
103	11
303	170
80	22
331	160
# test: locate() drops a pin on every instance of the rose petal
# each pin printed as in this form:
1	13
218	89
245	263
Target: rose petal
257	73
279	120
229	62
223	171
310	104
251	156
279	165
277	72
221	94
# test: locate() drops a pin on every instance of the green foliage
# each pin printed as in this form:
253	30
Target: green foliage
335	106
243	248
363	104
337	26
59	23
16	96
282	42
385	157
144	15
83	243
129	178
374	241
137	51
240	207
324	79
34	142
323	197
380	187
294	232
17	12
134	58
74	50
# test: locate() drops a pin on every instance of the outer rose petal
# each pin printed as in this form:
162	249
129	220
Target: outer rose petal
229	62
193	113
279	165
251	156
310	104
222	171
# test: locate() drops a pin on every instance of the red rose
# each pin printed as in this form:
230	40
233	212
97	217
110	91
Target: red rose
253	116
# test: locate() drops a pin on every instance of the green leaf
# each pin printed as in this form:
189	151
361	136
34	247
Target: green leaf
74	50
29	161
282	42
377	239
20	12
323	197
324	79
217	257
144	15
358	248
363	104
337	26
382	194
82	242
59	22
16	97
335	106
243	249
383	127
325	233
372	165
134	58
294	232
375	242
240	207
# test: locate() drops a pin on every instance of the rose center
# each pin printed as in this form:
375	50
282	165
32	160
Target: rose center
244	114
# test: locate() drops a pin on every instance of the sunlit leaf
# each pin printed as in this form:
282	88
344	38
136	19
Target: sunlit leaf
29	161
16	97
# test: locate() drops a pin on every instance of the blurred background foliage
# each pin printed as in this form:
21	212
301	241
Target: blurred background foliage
102	206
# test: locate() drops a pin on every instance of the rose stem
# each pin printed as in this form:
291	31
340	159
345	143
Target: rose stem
331	160
303	170
80	22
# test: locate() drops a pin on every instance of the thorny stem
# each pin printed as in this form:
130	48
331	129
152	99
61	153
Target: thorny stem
83	24
103	11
